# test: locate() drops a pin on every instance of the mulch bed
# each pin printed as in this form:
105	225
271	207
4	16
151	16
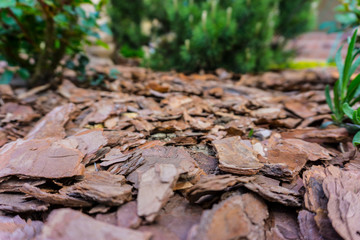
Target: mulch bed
171	156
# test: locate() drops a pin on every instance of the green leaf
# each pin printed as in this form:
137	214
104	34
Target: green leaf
348	61
337	110
102	44
105	28
356	139
354	101
339	64
348	111
49	2
356	116
251	133
354	66
30	3
328	98
354	85
6	77
346	18
61	19
24	74
7	3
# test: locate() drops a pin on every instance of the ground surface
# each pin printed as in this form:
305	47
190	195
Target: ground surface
170	156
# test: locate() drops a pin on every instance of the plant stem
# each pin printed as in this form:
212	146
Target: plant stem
45	57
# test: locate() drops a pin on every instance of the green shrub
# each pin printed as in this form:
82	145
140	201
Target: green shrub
240	35
36	35
209	34
126	26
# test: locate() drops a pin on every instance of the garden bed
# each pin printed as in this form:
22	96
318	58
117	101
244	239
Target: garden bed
174	156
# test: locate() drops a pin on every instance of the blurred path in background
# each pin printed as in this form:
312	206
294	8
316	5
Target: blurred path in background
315	46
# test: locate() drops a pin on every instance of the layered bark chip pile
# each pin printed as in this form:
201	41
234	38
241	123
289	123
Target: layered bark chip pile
183	157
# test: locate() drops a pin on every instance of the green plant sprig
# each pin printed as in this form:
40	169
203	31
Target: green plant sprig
343	91
354	116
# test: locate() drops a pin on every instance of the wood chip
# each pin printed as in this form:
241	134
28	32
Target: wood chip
64	224
155	189
101	187
238	217
236	157
52	125
40	158
16	228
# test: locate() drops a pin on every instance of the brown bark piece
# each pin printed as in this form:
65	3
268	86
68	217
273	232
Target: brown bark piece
268	113
89	142
14	185
56	199
52	125
101	187
179	216
77	95
15	112
271	190
123	164
283	225
18	203
207	163
40	158
286	157
179	157
238	217
302	109
236	157
343	206
308	228
316	201
175	220
100	111
213	184
155	189
314	198
126	216
16	228
318	135
64	224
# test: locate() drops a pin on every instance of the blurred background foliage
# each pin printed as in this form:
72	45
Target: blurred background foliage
190	35
35	36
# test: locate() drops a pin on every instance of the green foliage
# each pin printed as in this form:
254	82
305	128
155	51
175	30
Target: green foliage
239	35
36	35
127	51
344	90
348	13
346	93
126	26
295	17
354	116
347	17
212	34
